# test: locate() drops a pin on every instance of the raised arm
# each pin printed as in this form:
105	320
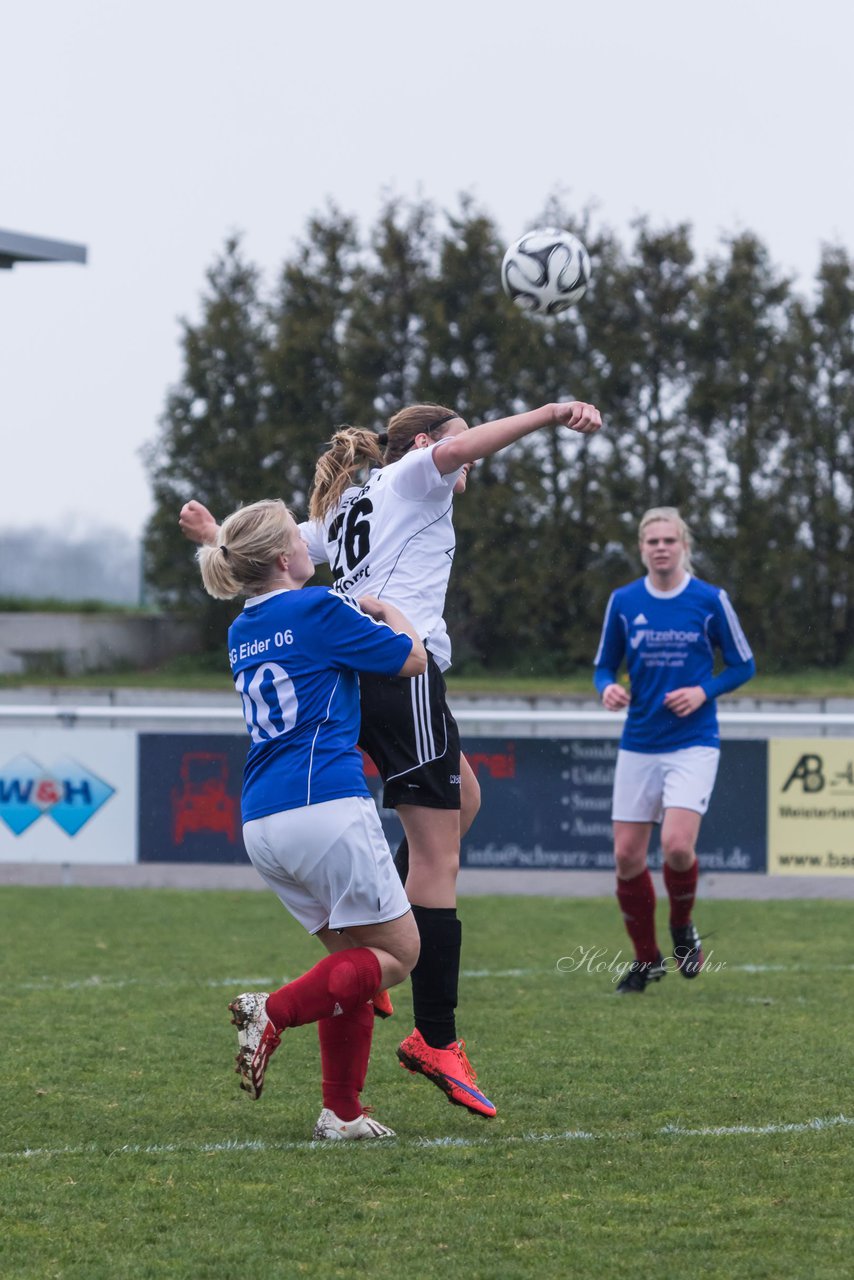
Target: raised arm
197	523
453	451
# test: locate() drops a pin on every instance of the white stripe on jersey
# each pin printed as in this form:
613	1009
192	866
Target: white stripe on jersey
314	739
744	650
598	657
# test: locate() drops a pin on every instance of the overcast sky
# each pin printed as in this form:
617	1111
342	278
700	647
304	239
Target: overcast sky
149	132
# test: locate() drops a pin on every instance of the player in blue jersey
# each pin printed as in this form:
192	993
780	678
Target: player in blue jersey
382	514
310	827
667	627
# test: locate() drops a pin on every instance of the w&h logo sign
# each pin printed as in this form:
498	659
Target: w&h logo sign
68	793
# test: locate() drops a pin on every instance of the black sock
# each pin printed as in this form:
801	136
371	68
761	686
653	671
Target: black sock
435	978
401	860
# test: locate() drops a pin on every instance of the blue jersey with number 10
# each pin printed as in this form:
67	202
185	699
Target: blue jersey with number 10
294	657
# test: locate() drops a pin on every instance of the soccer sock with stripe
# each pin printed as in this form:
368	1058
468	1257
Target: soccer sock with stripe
682	889
435	978
336	985
637	903
345	1047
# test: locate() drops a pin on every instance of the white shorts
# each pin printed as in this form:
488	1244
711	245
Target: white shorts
329	863
647	784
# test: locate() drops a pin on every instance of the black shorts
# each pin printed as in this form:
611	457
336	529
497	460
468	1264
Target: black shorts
412	738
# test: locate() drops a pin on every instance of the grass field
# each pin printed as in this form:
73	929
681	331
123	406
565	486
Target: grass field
702	1129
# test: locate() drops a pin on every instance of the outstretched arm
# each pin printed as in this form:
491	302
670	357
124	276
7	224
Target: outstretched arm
453	452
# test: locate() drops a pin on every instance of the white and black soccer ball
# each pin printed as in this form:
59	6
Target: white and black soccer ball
546	271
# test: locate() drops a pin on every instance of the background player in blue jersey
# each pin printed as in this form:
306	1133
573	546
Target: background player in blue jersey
309	824
667	627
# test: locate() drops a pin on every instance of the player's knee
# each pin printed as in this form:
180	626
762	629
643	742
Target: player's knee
678	854
629	864
629	856
677	846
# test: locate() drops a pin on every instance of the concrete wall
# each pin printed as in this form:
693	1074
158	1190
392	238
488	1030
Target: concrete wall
73	643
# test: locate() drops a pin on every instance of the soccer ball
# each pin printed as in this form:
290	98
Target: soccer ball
546	271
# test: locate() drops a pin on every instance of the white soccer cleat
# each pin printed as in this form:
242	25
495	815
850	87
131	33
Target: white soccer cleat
364	1126
257	1040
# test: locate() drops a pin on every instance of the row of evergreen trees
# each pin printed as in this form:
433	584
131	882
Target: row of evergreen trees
724	391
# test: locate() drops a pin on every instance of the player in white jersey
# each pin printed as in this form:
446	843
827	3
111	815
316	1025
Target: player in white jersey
667	627
392	535
309	824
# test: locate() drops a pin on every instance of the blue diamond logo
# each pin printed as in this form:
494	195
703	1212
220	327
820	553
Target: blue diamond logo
68	793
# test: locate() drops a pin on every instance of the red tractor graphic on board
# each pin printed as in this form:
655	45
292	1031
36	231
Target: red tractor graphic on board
202	803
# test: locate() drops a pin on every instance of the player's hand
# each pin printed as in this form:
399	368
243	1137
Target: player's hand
682	702
615	697
575	415
373	607
197	523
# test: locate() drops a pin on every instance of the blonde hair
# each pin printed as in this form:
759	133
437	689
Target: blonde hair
352	450
355	450
242	560
671	514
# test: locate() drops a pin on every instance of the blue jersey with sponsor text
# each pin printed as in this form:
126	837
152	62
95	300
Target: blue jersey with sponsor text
294	657
668	640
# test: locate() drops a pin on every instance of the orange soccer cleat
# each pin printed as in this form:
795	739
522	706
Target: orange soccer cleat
449	1068
383	1006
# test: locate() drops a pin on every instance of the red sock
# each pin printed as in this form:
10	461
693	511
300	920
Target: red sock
336	985
682	888
637	903
345	1047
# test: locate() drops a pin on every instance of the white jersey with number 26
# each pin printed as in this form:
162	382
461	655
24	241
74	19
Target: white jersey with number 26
393	538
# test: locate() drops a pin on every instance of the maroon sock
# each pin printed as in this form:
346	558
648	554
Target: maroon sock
345	1047
682	888
637	903
336	985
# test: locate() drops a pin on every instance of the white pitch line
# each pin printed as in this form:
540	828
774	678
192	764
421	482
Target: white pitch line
816	1125
727	1131
97	983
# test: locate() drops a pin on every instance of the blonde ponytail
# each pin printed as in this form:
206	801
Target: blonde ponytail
352	450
